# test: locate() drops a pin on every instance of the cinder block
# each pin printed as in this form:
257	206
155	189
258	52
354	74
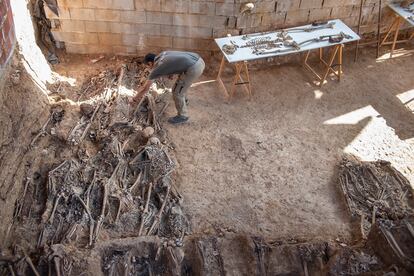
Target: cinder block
186	20
296	17
286	5
140	5
153	5
189	32
72	25
160	41
110	4
367	2
63	13
79	38
215	21
110	39
355	10
133	40
176	6
311	4
207	8
224	32
143	50
75	48
274	19
159	18
107	15
82	14
366	29
198	20
265	7
248	21
97	27
342	12
194	44
123	4
368	10
70	3
255	30
370	18
127	28
226	9
124	50
351	21
88	48
319	14
124	28
133	17
341	3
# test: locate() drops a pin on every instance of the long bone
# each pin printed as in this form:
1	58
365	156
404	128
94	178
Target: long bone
145	212
329	25
335	38
158	216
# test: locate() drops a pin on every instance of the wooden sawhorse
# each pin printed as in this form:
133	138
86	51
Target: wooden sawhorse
336	53
238	78
395	27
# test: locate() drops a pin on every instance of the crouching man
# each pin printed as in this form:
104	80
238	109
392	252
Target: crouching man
188	66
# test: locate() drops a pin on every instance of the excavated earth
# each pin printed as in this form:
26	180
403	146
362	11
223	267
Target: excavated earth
92	186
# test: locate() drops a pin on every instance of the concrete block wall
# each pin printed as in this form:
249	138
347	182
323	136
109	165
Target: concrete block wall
7	37
138	26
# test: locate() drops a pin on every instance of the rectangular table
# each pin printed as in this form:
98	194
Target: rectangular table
401	14
243	55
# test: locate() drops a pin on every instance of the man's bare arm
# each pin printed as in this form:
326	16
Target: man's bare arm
142	91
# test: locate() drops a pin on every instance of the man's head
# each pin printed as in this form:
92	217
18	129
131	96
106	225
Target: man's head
149	59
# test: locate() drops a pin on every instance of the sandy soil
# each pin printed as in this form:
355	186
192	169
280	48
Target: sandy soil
267	166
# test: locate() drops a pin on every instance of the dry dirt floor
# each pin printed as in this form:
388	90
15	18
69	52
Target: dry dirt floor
267	166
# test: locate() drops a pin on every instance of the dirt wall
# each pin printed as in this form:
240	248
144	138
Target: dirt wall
23	110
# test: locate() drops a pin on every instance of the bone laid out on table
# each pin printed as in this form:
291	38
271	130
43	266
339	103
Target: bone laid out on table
239	50
402	14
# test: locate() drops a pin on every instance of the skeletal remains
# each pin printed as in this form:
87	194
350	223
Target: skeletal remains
126	189
261	43
125	186
293	45
135	178
375	190
283	33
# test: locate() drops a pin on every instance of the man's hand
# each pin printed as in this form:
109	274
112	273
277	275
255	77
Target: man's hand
133	101
140	93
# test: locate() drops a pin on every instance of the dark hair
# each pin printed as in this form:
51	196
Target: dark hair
150	57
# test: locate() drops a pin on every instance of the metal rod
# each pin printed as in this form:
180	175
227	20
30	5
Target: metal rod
379	28
359	30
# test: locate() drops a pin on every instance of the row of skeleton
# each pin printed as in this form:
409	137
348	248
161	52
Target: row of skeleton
263	44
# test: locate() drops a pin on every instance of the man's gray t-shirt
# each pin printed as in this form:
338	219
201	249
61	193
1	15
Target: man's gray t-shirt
172	62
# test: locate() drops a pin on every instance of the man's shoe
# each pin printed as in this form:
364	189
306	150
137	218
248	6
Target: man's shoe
178	119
